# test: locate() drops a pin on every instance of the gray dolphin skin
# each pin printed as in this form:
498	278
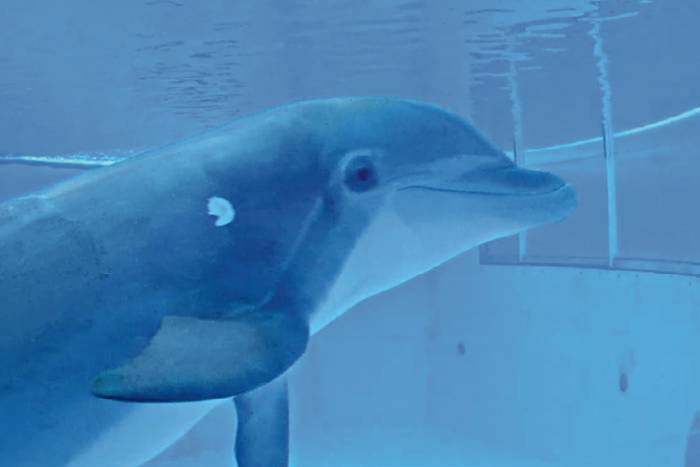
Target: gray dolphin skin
136	297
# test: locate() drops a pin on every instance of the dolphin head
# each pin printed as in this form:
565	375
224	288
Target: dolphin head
433	185
441	178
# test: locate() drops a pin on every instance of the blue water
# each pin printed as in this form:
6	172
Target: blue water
572	345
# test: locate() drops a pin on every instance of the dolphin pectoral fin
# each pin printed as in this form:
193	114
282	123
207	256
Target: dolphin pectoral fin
262	439
192	359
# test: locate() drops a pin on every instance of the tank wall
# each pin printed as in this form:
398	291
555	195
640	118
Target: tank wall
534	365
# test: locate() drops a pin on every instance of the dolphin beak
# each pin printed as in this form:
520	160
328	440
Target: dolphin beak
493	179
539	191
511	181
532	195
502	196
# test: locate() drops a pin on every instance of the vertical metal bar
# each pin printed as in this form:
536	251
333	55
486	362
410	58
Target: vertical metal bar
608	138
518	152
522	236
609	148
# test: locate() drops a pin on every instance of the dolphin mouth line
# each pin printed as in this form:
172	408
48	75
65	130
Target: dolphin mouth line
484	193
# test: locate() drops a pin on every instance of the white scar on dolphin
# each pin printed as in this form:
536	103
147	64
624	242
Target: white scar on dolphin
222	209
108	309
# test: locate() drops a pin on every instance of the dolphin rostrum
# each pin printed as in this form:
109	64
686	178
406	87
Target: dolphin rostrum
197	272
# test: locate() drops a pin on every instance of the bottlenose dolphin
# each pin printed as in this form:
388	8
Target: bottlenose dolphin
198	271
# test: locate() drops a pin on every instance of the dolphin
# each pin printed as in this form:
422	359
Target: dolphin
137	296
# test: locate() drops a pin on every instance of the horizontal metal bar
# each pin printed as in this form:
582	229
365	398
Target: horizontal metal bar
652	265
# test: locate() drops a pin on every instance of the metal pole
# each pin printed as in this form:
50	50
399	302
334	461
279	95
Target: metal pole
518	152
608	139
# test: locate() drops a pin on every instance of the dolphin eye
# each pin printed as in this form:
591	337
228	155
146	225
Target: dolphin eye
361	175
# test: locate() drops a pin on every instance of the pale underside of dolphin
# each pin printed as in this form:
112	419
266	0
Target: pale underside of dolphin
198	271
